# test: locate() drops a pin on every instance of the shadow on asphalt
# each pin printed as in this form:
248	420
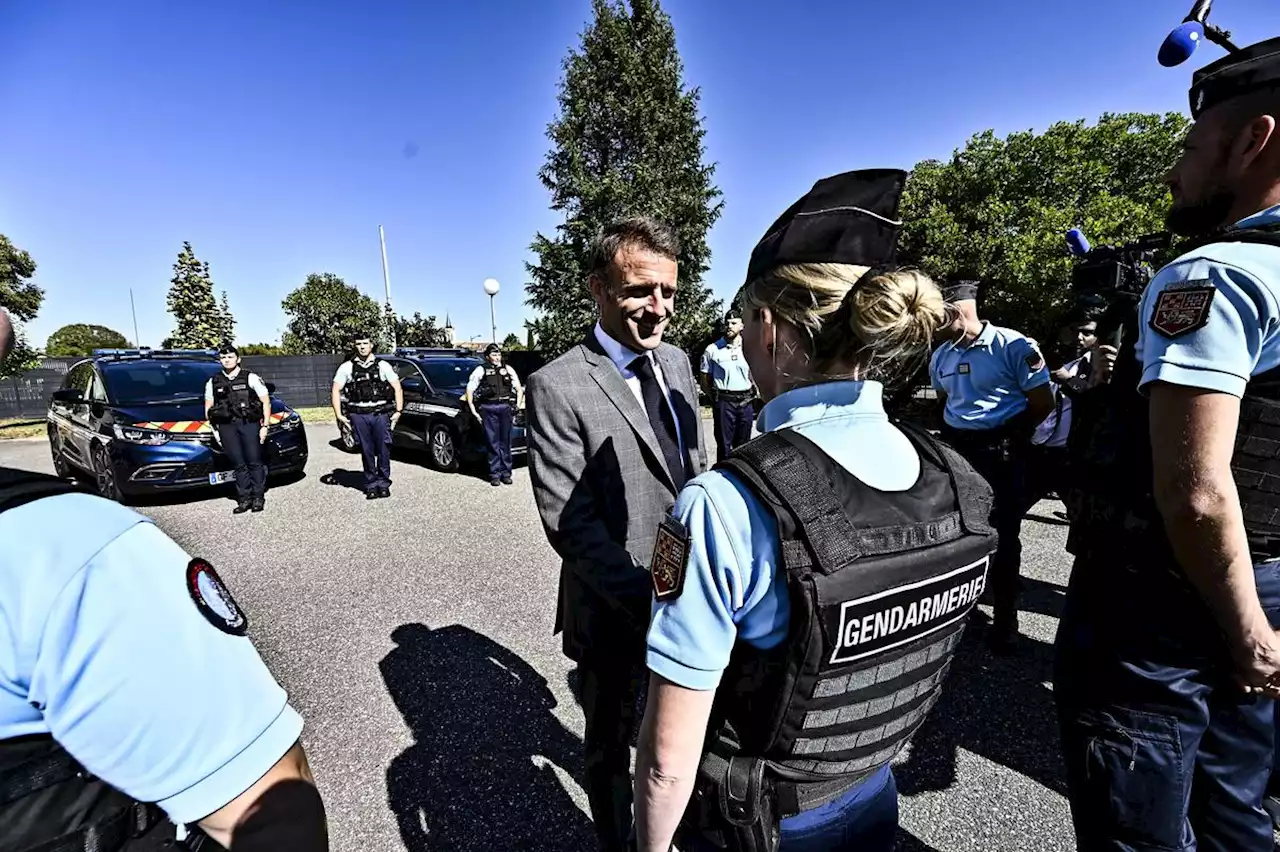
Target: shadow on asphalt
478	776
996	707
908	842
353	479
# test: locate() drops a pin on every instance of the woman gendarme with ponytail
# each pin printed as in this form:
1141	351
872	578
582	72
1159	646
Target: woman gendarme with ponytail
810	591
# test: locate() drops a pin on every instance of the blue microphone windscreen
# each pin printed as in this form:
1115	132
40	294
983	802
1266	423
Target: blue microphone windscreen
1077	242
1181	43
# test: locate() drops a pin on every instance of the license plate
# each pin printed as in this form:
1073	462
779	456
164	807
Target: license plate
223	477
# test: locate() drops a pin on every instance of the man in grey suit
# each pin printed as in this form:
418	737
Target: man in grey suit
614	433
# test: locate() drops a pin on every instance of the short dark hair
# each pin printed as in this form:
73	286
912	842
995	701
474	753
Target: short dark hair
228	349
361	335
642	232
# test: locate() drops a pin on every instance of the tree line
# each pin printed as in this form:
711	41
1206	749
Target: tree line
628	139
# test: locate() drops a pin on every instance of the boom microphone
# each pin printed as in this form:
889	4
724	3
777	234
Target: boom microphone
1077	242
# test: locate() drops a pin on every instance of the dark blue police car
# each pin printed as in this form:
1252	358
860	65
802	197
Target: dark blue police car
435	416
133	420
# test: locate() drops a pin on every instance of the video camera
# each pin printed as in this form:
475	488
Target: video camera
1113	277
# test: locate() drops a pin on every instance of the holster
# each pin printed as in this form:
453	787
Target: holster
734	805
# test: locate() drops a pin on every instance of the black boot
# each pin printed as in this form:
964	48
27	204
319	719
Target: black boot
258	505
242	506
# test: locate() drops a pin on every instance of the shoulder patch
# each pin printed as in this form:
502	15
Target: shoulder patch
1035	360
213	600
670	559
1183	309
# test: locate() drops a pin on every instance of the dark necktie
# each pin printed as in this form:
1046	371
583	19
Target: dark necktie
660	418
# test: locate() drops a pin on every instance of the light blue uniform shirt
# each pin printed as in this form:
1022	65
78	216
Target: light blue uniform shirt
986	382
733	587
1239	325
727	366
102	646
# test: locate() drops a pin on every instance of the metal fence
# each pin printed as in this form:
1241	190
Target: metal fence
301	380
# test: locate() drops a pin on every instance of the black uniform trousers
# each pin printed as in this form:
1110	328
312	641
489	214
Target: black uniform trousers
239	441
374	432
1002	463
1163	749
734	414
496	417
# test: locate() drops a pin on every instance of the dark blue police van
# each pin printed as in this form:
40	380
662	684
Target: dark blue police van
133	420
436	418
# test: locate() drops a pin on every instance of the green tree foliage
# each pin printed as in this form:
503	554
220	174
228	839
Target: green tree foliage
512	342
628	141
998	210
199	321
22	299
325	313
73	341
419	331
261	349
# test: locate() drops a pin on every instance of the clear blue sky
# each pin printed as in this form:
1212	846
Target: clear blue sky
276	137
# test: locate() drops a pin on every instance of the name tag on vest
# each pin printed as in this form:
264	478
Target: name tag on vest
903	614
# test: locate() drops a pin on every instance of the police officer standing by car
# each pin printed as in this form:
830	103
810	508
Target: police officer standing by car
726	378
811	590
375	401
994	388
494	395
128	687
238	405
1168	658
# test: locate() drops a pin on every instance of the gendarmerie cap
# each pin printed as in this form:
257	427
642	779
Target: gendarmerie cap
1249	69
960	291
847	218
492	348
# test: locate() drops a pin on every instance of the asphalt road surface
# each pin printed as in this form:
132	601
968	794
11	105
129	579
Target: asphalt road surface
415	636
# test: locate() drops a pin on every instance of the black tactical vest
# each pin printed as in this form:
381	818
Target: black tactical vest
48	801
234	401
368	391
495	386
880	584
1113	498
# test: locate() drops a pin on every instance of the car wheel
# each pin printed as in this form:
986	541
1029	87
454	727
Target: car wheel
104	475
443	448
61	467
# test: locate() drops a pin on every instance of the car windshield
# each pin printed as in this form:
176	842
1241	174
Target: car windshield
449	374
153	382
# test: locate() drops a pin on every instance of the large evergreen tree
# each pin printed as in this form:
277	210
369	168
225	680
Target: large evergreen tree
22	299
199	323
628	141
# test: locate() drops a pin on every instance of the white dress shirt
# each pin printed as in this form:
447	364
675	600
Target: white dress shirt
622	357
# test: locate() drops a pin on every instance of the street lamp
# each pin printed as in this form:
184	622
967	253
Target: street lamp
491	287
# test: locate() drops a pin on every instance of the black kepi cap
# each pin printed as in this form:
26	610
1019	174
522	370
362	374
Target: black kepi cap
1246	70
960	291
492	348
847	218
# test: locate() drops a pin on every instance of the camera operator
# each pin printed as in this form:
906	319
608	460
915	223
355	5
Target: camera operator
1167	653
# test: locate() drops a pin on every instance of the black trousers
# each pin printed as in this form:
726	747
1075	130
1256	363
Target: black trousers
610	690
240	443
496	417
1003	465
733	421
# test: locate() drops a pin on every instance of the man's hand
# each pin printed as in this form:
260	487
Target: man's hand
1104	361
1060	375
342	418
395	418
1257	660
262	434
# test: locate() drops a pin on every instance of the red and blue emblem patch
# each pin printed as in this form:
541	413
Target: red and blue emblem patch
1184	309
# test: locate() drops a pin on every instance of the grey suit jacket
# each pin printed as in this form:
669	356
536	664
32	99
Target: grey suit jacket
601	485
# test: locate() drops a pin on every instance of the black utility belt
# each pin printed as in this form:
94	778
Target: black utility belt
735	396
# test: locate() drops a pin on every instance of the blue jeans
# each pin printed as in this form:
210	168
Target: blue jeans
865	819
374	431
497	417
1163	750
